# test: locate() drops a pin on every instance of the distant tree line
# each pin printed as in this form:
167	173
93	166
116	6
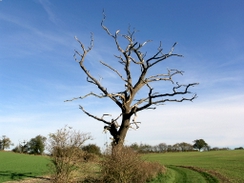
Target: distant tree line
37	145
162	148
198	145
239	148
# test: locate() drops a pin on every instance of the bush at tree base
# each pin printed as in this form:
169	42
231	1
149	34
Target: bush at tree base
126	166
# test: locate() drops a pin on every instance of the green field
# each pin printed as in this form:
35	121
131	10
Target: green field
188	167
14	166
213	166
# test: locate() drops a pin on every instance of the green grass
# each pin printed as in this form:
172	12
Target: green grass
224	165
189	167
14	166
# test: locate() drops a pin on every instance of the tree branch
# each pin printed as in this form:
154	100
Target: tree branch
150	99
158	59
166	77
114	70
113	36
82	97
95	117
90	78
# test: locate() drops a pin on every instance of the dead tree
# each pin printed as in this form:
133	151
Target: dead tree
126	100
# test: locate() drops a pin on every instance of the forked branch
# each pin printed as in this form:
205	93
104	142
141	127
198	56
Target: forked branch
154	99
98	118
91	78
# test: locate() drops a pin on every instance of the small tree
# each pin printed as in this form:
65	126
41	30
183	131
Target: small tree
162	147
24	146
185	146
5	143
37	145
145	148
66	154
137	67
135	147
92	148
199	144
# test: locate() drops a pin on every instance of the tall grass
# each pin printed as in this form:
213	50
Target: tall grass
14	166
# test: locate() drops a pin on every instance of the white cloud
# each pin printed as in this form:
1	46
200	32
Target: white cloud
46	4
218	122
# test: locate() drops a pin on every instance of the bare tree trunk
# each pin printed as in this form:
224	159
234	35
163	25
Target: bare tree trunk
119	137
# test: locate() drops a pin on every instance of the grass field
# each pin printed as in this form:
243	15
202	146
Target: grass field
189	167
226	166
15	166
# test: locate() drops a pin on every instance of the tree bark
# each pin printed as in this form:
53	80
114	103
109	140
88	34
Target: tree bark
119	137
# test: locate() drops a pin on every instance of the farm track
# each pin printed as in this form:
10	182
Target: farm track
179	174
32	180
209	176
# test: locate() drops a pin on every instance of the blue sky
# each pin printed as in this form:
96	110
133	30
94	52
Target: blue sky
38	72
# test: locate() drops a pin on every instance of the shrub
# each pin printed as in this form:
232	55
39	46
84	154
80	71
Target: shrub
17	149
126	166
92	148
91	157
66	154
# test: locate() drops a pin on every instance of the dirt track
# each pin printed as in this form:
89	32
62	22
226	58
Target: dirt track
32	180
